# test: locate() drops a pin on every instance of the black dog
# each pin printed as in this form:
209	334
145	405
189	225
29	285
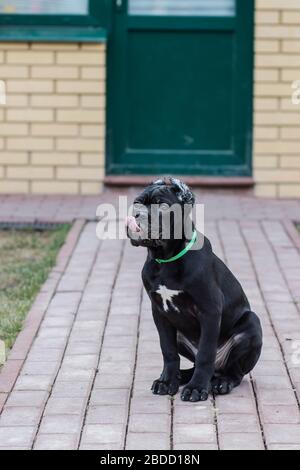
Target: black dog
199	308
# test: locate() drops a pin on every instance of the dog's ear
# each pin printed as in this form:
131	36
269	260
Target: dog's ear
182	191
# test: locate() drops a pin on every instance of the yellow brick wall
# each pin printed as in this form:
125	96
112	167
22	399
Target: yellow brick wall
277	120
53	125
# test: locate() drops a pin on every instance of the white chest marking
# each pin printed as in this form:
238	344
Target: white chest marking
167	296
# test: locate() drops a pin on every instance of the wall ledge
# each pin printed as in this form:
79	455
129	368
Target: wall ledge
193	181
52	34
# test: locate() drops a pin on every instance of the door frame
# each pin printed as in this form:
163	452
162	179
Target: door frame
244	47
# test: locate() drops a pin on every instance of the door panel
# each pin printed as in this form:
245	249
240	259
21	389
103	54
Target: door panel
180	87
168	63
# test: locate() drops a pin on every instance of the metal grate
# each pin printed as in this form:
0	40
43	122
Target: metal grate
182	7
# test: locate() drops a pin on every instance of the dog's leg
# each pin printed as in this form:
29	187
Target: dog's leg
187	350
243	356
169	381
199	386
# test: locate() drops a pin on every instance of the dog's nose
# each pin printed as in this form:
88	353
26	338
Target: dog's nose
131	224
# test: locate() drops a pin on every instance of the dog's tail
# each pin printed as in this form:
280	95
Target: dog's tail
186	375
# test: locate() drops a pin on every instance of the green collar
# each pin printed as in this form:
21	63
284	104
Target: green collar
182	253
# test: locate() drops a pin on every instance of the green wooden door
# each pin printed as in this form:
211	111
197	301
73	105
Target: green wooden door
180	76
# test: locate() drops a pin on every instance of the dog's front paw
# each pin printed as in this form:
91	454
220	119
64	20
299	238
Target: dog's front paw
162	387
194	393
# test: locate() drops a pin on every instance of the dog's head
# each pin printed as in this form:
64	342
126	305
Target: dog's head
160	213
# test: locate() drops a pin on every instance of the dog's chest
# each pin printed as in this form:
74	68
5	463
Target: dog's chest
168	293
172	301
169	298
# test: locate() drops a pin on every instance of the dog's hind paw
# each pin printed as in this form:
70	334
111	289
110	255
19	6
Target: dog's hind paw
222	385
160	387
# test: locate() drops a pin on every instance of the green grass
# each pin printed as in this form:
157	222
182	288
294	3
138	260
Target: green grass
26	258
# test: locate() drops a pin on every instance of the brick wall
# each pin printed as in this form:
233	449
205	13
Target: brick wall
277	120
52	127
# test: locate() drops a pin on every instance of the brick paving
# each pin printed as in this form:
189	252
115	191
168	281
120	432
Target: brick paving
84	380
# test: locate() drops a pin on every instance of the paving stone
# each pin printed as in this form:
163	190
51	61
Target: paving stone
113	381
67	406
11	448
271	354
20	416
56	442
156	405
103	434
153	423
97	447
107	414
195	446
235	423
238	405
115	368
282	433
277	397
77	348
244	390
295	373
87	361
17	436
27	398
119	354
194	433
120	341
141	385
119	330
195	414
71	389
38	354
110	397
148	441
88	327
40	368
284	447
47	344
64	424
53	333
61	321
241	441
282	414
88	314
67	300
34	382
86	336
69	374
272	383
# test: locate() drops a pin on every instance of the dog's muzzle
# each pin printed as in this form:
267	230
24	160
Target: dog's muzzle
132	225
138	232
134	231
